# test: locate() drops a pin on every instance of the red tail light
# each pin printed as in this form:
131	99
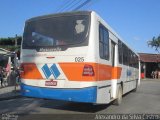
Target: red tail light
88	70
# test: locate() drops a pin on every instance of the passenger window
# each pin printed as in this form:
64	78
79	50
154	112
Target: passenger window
120	52
103	42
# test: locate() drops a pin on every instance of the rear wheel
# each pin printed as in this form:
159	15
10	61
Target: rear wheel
118	100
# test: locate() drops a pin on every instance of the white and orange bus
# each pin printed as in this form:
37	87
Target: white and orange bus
76	56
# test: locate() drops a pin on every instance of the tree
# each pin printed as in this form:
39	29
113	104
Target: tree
9	43
155	43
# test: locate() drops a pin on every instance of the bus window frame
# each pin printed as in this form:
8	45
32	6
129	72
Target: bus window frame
104	29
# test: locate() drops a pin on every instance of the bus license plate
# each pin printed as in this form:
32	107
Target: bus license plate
51	83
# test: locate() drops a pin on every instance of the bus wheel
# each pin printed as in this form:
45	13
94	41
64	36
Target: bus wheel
118	100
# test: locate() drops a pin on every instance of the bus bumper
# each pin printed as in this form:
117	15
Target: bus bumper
87	95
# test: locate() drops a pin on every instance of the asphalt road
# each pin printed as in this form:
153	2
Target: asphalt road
146	101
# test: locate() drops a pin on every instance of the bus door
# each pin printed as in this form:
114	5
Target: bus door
114	59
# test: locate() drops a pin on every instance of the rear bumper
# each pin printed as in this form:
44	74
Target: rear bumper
87	95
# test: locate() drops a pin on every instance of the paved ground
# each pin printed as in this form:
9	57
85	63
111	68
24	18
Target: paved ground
9	92
146	100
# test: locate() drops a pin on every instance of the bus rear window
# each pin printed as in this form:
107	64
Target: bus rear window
56	31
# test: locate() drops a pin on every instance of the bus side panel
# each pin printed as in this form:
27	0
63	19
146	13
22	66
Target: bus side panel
103	92
129	78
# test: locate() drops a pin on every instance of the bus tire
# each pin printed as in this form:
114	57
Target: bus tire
118	100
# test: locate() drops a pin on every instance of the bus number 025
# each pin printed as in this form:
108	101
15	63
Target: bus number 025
79	59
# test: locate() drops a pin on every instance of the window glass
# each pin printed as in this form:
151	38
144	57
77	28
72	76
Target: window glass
56	31
101	49
106	36
101	34
103	42
120	52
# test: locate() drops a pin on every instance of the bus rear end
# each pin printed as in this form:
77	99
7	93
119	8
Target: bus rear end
54	58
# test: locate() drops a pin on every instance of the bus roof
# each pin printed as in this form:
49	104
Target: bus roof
60	14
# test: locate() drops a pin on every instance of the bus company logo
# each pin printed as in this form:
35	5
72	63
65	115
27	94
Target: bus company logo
51	83
50	49
53	70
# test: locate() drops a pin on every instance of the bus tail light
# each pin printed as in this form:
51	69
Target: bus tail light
88	70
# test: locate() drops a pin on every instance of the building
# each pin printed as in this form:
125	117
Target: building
8	57
149	63
3	51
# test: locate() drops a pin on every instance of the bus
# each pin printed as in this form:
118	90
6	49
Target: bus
76	56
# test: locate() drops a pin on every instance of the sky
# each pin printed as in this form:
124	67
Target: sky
136	21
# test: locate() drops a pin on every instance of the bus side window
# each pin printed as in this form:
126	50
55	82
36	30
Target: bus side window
103	42
120	52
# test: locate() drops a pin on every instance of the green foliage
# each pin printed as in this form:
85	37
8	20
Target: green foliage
9	43
10	40
155	43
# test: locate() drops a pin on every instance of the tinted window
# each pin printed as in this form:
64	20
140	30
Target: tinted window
103	42
125	54
56	31
120	52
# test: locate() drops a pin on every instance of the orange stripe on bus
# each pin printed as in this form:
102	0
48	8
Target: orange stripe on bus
116	72
74	72
30	71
